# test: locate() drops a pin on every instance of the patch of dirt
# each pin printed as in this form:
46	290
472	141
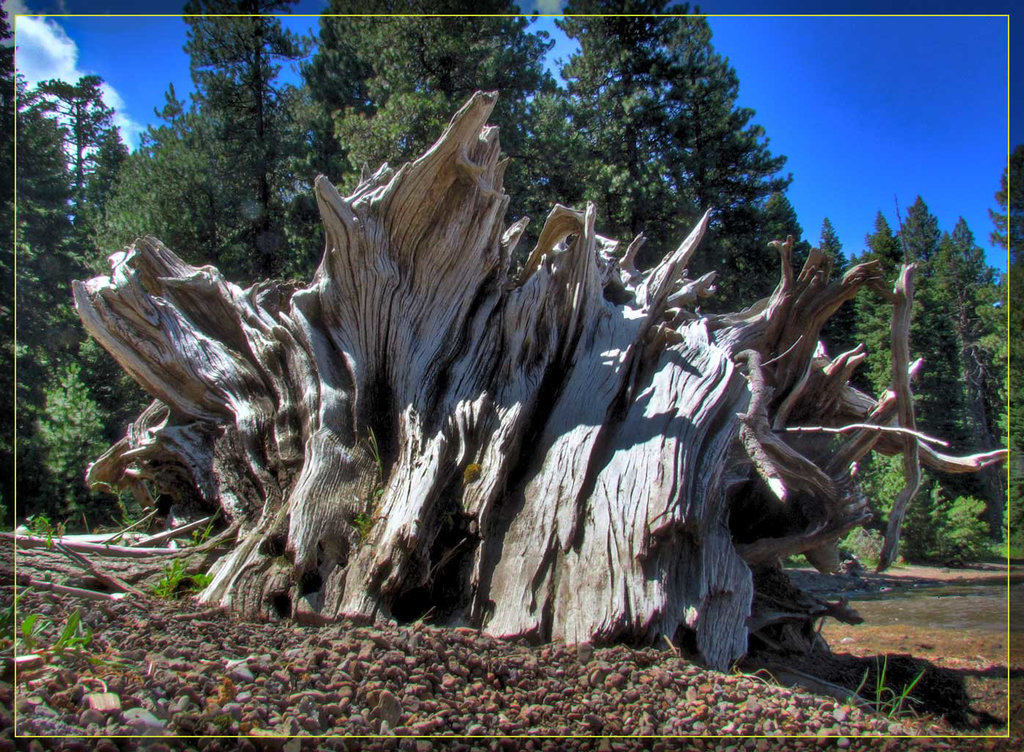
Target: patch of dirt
990	668
971	680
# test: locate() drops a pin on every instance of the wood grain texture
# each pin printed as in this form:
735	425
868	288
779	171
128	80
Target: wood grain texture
574	452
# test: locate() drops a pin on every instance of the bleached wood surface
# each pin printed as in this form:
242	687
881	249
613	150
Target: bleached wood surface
573	452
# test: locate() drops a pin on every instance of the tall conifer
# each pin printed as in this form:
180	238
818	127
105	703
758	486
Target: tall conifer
234	63
665	140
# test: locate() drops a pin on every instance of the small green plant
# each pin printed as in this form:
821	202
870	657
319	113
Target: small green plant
41	526
175	581
74	637
364	521
28	632
886	700
363	524
200	581
201	536
173	574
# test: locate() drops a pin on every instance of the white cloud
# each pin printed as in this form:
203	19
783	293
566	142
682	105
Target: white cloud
45	51
130	130
544	7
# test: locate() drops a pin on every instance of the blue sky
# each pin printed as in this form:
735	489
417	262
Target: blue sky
869	111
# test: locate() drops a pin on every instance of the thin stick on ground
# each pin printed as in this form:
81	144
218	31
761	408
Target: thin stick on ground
107	579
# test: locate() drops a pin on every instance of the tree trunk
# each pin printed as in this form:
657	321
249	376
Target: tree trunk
573	452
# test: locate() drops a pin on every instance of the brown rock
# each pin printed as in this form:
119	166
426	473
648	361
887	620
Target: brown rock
105	702
387	710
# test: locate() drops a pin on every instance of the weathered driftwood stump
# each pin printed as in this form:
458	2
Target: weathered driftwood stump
568	452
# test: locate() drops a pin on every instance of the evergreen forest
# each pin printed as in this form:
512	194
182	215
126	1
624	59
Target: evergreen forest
643	121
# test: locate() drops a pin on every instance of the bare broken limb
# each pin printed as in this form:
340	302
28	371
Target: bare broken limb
867	427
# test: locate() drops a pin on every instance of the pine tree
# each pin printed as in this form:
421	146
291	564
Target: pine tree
940	397
69	158
778	222
1009	218
832	247
956	393
972	292
839	332
71	430
656	106
920	235
47	255
969	293
89	137
47	329
953	323
111	154
871	314
388	102
169	188
1009	234
234	63
8	113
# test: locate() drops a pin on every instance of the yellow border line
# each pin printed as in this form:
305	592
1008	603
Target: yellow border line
517	15
14	511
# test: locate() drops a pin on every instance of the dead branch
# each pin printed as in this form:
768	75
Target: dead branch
902	308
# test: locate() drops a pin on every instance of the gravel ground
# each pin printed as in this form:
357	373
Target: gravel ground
176	670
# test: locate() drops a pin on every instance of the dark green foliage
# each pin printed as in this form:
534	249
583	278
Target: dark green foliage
778	222
838	332
71	430
111	154
1009	218
1009	233
234	63
663	140
960	390
938	528
69	157
388	102
218	180
919	234
47	328
168	189
956	331
940	397
94	153
7	385
89	135
872	314
967	532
